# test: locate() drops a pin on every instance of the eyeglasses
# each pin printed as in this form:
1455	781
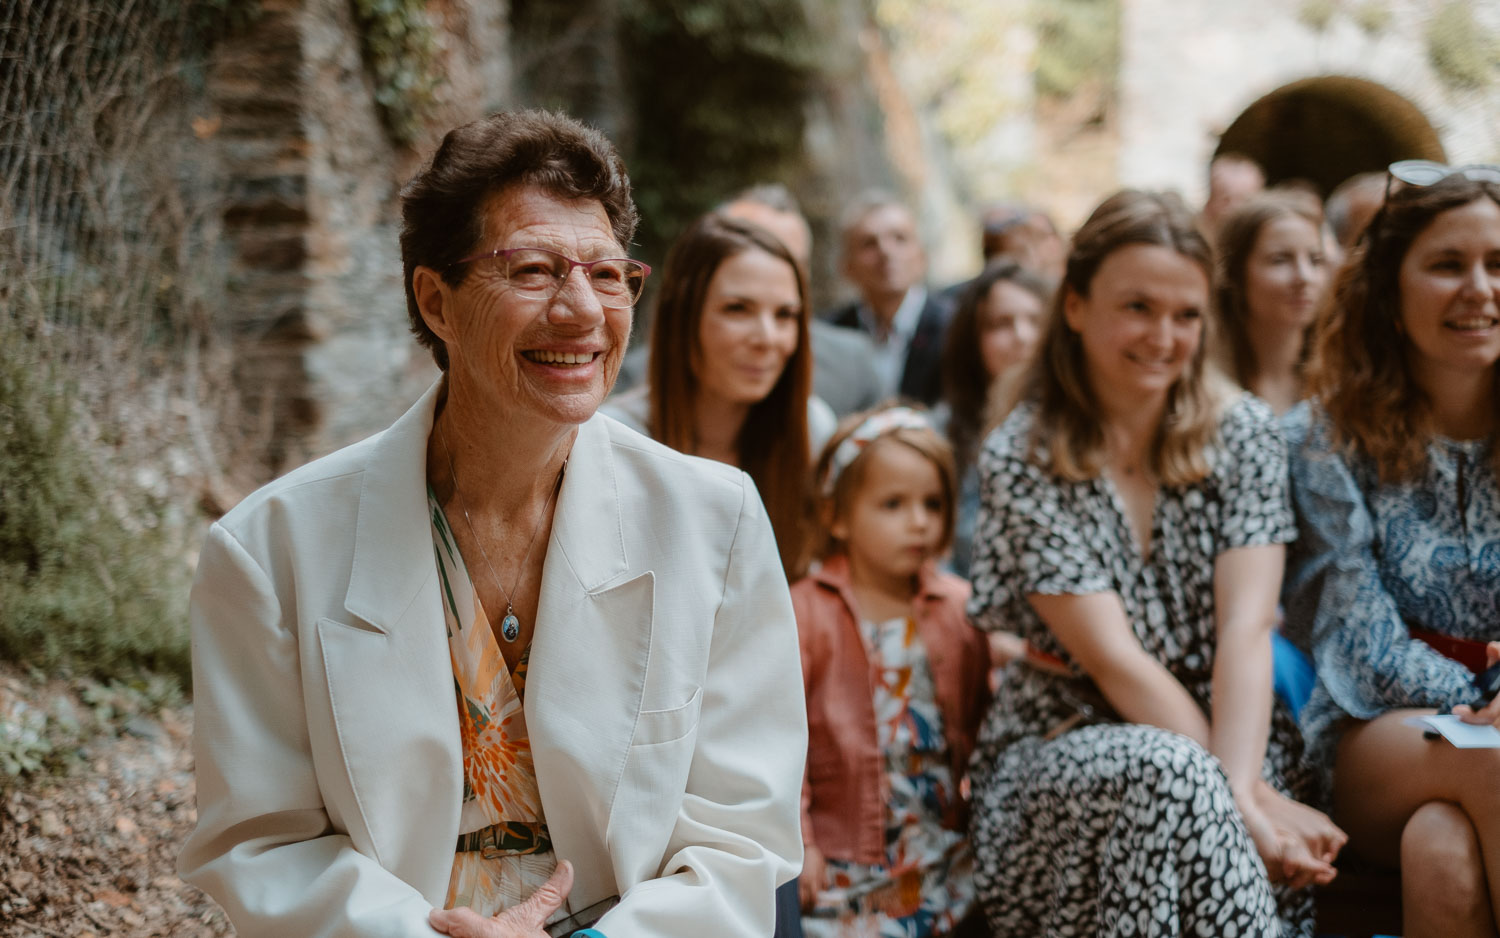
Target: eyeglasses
539	274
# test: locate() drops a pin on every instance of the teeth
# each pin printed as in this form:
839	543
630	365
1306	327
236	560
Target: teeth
1479	322
560	358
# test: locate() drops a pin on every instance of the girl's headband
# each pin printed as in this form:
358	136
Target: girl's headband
873	428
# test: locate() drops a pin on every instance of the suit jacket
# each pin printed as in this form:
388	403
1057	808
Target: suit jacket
663	696
844	374
922	377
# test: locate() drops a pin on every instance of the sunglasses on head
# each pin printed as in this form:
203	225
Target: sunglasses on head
1428	172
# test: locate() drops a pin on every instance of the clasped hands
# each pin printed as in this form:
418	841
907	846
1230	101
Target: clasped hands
1298	844
524	920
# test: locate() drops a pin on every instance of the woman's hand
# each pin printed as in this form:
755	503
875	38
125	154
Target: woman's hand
1324	839
814	871
519	921
1285	855
1005	647
1490	713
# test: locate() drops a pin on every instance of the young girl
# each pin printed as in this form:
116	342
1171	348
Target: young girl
896	685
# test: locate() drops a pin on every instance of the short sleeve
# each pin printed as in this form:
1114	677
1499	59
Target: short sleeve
1030	537
1253	483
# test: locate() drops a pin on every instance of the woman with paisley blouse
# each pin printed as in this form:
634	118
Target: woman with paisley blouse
1395	579
1133	518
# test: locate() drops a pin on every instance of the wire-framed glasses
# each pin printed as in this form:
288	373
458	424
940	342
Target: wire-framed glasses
539	274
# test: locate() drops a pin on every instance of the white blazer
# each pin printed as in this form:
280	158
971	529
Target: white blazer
663	698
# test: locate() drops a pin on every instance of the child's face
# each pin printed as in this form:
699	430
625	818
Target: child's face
894	522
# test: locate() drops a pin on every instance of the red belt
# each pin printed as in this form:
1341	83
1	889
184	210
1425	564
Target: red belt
1469	653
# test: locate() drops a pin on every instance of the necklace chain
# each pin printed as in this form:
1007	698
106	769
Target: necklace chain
510	628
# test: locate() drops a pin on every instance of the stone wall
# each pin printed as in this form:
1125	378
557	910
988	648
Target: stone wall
324	355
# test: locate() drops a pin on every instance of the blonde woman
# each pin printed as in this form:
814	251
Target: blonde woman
1134	514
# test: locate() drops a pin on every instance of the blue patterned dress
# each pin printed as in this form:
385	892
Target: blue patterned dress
1372	560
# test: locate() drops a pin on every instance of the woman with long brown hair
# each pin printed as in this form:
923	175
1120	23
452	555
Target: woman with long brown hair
731	371
1395	578
995	329
1132	530
1272	276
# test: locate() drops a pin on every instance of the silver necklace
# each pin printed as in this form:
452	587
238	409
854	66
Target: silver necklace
510	626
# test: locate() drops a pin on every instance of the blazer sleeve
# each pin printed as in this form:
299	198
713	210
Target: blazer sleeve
738	833
264	847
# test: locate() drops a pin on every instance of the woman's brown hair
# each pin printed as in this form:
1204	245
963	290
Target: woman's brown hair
1359	371
772	446
1236	241
832	505
967	384
1069	419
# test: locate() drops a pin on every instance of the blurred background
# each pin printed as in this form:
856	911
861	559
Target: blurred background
198	257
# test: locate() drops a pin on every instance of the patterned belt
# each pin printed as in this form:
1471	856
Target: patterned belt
507	839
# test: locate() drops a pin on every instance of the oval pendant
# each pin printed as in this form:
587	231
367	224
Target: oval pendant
510	628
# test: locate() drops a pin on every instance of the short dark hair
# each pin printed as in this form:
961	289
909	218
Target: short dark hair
442	217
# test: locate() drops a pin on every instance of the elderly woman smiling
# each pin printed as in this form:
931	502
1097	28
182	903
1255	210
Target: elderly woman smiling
507	665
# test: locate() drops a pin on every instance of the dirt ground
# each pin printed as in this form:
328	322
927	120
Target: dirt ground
92	853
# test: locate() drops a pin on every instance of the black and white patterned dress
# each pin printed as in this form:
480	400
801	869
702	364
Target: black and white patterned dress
1113	828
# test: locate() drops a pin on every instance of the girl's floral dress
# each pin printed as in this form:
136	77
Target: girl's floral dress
925	887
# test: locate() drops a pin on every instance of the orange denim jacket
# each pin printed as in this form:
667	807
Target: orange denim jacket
843	797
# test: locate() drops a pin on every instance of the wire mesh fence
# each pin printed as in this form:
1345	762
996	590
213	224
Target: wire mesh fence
113	382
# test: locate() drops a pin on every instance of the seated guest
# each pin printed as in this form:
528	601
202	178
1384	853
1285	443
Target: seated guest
996	327
1232	178
1272	276
896	686
1395	579
844	374
1352	204
730	369
1135	767
421	663
1024	234
884	260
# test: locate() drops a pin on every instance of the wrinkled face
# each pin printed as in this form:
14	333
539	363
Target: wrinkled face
882	256
1285	274
894	522
1449	285
555	360
1010	325
749	328
1141	323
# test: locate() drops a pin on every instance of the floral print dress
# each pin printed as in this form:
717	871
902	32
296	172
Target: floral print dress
925	886
504	852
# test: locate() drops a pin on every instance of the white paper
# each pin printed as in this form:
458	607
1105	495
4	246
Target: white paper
1461	734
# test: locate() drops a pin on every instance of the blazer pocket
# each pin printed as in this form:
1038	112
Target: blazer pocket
664	726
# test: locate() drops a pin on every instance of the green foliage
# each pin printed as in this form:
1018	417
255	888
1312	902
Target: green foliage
717	90
1078	46
1317	14
1463	52
400	48
87	579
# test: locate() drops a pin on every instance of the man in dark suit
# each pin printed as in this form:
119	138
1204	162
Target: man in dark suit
884	260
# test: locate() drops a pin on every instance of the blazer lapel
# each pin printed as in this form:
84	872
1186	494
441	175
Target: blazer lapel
388	671
588	664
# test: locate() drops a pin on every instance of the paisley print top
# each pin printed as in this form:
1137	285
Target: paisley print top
1374	560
